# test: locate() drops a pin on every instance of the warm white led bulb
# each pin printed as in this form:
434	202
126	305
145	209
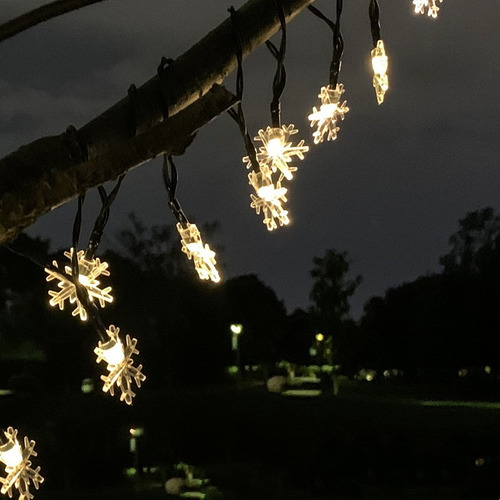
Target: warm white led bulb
276	143
432	8
18	470
325	117
88	272
201	254
84	279
112	352
380	63
269	199
11	454
119	363
277	151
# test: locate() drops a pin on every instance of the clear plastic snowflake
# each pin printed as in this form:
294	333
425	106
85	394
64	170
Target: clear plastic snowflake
269	198
432	8
119	364
89	271
380	63
203	257
18	468
277	151
330	110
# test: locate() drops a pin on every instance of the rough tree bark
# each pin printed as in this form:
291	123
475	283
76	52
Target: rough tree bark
29	187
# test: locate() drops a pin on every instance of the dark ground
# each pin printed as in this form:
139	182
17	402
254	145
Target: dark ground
374	441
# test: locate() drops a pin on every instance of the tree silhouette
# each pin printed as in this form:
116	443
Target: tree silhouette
331	290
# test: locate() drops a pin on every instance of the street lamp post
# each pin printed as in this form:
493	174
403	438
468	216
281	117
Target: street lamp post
236	331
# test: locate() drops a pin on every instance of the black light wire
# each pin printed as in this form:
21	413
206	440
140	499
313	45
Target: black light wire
163	76
169	170
81	292
279	80
237	114
374	13
338	41
170	179
102	218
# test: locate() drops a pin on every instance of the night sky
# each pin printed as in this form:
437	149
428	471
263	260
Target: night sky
389	190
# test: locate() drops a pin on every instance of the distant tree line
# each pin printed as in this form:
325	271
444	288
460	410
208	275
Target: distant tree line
442	322
432	326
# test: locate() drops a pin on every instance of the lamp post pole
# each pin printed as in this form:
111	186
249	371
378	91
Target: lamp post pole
236	331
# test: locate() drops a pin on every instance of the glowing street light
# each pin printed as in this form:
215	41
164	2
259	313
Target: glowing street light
236	330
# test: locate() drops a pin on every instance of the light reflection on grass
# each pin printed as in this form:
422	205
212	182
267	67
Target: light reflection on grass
485	405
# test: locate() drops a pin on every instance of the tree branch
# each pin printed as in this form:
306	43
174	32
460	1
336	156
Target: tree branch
40	170
53	177
41	14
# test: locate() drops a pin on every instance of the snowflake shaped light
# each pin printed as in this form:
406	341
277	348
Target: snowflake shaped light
202	255
325	118
380	63
432	8
269	198
277	151
88	272
119	364
18	468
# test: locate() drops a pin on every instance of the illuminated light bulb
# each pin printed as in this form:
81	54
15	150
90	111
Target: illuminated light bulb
380	63
88	272
112	352
276	142
330	110
277	151
18	468
269	198
432	8
11	454
119	364
201	254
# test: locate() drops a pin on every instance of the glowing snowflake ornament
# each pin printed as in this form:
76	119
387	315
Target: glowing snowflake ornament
88	272
119	364
325	118
203	257
277	151
269	198
432	8
18	466
380	63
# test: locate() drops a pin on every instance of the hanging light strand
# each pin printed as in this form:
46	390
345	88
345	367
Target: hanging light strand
102	218
279	80
170	179
82	294
379	58
331	109
374	13
192	245
237	114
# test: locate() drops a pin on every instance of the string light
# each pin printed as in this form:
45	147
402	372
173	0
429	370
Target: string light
432	7
18	468
331	109
201	254
380	63
277	151
269	198
119	364
325	118
88	272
